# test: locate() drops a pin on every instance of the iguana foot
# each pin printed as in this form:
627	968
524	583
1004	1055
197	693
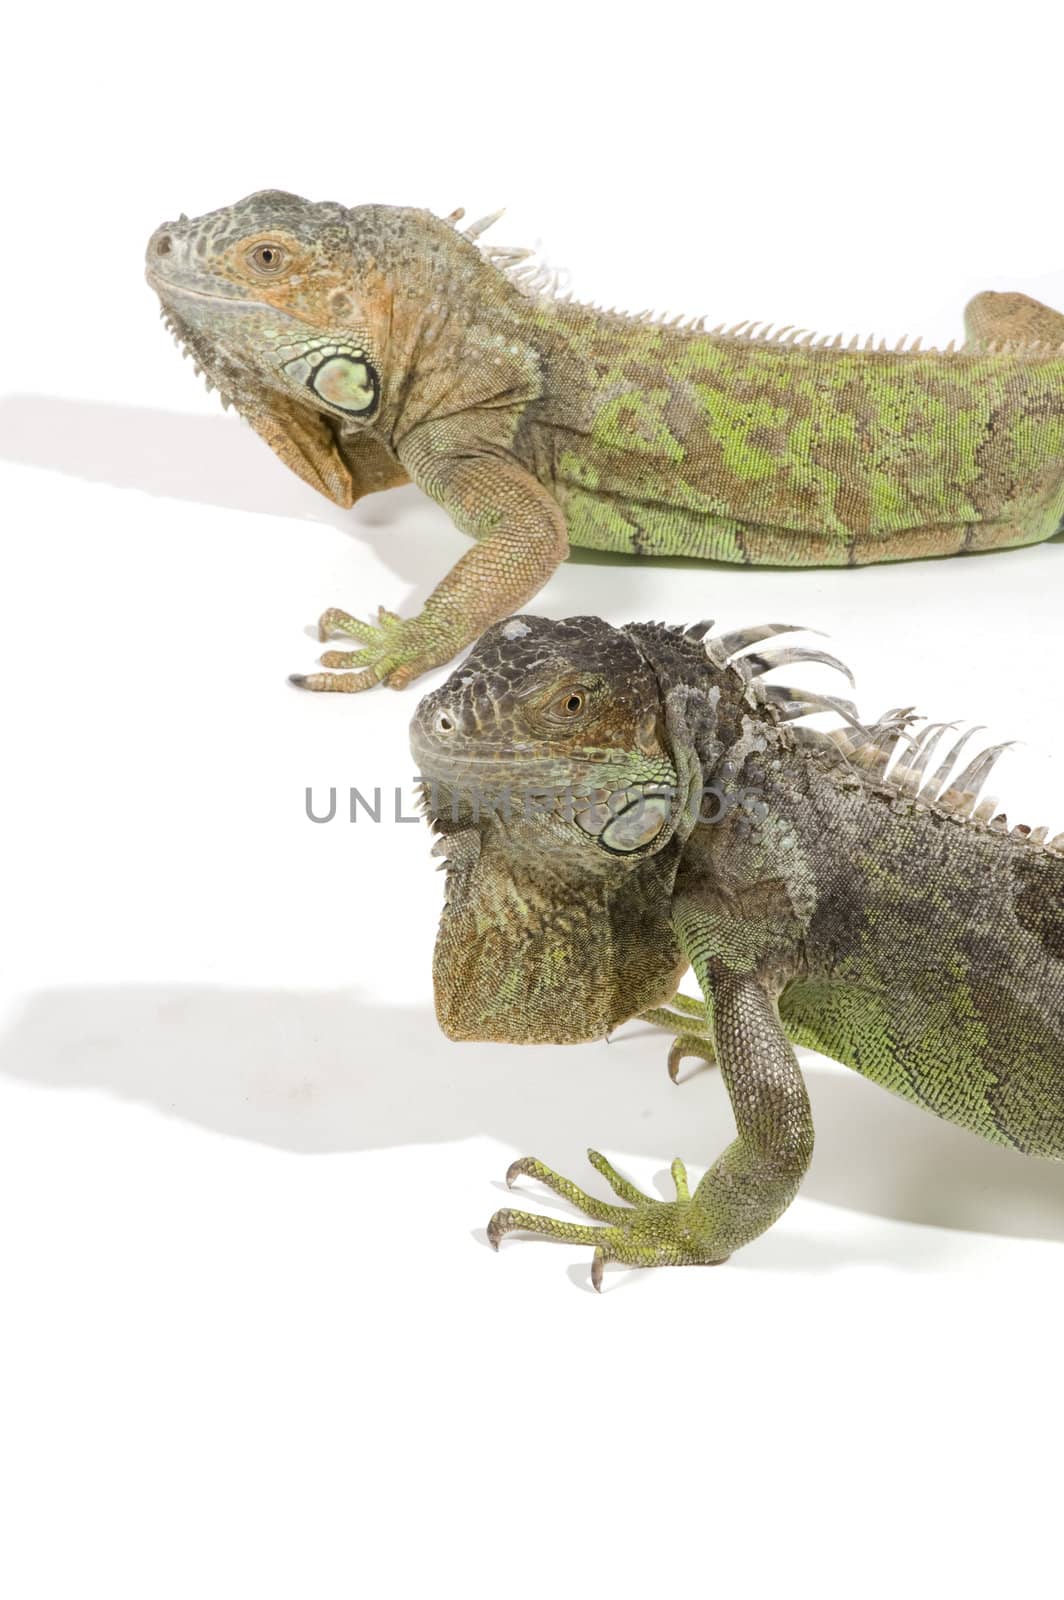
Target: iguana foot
687	1019
396	650
645	1233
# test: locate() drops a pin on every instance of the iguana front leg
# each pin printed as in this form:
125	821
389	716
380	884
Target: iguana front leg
748	1187
521	539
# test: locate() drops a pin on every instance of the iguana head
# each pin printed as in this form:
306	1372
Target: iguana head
548	774
263	289
555	731
322	324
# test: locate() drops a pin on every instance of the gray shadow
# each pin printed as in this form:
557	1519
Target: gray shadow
319	1071
216	461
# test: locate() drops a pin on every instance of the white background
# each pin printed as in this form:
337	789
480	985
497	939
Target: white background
252	1340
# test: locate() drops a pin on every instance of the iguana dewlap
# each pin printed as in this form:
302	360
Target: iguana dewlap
375	344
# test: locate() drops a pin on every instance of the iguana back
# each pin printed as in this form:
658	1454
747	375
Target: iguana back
934	960
665	441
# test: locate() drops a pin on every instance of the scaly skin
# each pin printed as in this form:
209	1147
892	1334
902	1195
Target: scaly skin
616	805
375	345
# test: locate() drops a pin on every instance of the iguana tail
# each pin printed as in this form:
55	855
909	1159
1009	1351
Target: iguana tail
1013	319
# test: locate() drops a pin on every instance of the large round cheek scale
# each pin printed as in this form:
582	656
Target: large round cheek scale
345	383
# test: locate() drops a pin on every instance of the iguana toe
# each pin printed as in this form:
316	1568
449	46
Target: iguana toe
334	621
333	682
689	1044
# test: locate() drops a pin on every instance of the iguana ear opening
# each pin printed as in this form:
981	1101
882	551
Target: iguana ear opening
306	443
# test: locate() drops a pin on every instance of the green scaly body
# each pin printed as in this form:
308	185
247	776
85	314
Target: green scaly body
933	962
661	441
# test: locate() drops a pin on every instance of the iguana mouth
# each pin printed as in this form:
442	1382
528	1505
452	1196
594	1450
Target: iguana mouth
442	764
168	286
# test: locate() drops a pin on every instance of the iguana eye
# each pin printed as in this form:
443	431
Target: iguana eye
267	258
570	703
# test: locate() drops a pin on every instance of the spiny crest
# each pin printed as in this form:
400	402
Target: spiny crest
534	278
888	753
183	341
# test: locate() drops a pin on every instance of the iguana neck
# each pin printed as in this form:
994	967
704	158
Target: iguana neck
454	337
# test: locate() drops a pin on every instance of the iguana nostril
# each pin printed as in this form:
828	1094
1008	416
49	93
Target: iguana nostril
444	723
162	245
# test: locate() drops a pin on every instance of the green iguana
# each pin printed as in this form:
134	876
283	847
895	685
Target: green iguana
378	344
617	805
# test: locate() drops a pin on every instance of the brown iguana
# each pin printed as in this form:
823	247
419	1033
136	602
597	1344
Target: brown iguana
375	344
617	805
